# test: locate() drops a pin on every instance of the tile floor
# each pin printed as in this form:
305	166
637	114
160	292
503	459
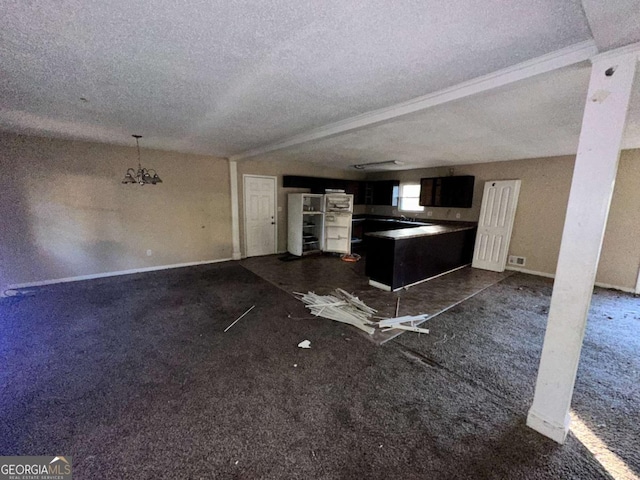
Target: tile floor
324	273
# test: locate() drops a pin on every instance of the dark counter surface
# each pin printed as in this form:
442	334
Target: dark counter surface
423	231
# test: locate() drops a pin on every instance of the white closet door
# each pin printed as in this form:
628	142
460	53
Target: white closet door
498	211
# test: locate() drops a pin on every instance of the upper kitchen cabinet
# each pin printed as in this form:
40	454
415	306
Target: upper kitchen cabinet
453	192
357	189
315	184
298	181
382	192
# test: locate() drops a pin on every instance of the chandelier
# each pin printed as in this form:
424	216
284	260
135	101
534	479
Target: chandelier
143	175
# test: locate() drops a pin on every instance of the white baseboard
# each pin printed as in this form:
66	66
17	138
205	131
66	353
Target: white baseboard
615	287
551	275
530	272
387	288
379	285
12	290
556	432
431	278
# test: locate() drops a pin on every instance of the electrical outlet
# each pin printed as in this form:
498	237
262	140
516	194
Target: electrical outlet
457	215
429	213
149	253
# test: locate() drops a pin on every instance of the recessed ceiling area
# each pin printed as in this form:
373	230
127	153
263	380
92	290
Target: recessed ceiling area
225	78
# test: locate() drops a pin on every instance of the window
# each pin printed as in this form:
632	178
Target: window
410	198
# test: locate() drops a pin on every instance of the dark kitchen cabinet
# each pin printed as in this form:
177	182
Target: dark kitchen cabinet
383	192
332	183
298	181
454	192
357	189
320	184
404	258
315	184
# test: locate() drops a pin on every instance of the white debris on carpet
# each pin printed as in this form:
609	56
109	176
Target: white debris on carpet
346	308
341	307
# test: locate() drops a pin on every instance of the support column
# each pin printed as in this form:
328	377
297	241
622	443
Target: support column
591	191
235	219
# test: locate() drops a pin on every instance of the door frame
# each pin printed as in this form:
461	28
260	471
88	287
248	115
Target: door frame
244	209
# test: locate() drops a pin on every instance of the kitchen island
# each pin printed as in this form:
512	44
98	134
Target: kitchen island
406	256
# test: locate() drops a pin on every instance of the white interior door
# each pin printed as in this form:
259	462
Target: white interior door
260	215
498	211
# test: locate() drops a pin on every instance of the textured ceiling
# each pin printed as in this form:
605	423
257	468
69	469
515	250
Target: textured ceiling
225	77
537	117
613	23
222	78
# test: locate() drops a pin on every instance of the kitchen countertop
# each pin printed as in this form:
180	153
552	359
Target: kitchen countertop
423	231
417	221
390	220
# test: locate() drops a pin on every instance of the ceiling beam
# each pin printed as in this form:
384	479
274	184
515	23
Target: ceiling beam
573	54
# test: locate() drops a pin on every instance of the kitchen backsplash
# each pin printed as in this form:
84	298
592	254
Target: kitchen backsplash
437	213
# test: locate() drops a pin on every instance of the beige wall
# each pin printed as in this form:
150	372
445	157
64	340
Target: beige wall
542	208
278	169
65	212
620	257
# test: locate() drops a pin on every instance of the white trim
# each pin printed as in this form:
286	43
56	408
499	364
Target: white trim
387	288
637	292
530	272
379	285
548	428
275	209
551	275
79	278
235	217
614	287
564	57
431	278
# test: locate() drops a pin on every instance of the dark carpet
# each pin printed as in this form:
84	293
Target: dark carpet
134	378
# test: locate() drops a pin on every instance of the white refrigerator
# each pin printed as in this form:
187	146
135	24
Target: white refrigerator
338	210
305	229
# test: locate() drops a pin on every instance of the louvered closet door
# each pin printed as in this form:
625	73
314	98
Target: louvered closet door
497	214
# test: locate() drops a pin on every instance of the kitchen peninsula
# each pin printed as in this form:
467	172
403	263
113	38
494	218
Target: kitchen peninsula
403	257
